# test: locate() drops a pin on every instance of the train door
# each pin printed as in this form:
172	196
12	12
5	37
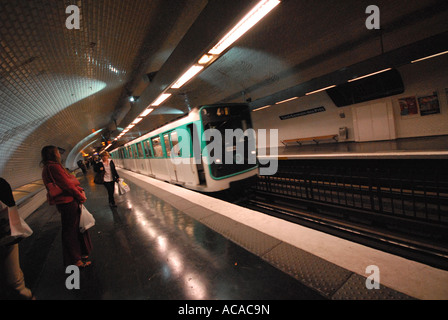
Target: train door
148	156
171	168
195	133
140	160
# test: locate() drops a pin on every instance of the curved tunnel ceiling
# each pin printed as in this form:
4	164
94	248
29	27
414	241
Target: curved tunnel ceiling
59	84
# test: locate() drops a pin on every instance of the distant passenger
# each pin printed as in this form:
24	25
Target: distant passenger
76	246
10	272
82	166
110	176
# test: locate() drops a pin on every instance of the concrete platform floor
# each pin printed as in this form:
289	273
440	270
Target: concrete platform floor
148	249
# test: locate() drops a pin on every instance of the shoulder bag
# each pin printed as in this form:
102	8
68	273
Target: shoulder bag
53	189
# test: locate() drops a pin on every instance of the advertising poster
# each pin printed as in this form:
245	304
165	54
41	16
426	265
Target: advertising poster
429	104
408	106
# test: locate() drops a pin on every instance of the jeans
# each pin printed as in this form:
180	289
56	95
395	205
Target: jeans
110	186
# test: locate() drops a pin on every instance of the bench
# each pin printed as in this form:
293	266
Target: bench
314	139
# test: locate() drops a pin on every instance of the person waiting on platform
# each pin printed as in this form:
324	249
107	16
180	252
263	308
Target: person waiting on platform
110	175
82	166
76	246
10	271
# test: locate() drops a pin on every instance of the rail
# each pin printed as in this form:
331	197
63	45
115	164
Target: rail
409	196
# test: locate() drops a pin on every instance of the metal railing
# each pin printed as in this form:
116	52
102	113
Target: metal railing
407	190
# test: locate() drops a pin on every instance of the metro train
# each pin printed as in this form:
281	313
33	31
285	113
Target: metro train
209	150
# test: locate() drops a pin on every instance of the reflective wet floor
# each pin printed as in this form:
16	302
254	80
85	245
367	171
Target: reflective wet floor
147	249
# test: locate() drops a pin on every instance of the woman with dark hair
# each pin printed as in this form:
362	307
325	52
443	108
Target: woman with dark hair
76	246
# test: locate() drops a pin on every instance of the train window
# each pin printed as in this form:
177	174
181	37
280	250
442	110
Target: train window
166	139
134	149
158	152
139	150
238	150
130	155
147	147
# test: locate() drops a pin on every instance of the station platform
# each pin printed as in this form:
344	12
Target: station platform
433	147
164	242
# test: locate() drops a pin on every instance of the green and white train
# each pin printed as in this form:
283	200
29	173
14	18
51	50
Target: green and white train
209	150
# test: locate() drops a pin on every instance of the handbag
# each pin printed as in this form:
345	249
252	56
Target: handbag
123	187
86	220
18	228
53	189
99	177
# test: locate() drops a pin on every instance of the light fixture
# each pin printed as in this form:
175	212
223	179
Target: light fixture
287	100
206	58
255	15
323	89
429	57
137	120
146	112
161	99
130	126
369	75
194	70
261	108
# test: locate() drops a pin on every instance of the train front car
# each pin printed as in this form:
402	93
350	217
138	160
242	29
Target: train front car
228	146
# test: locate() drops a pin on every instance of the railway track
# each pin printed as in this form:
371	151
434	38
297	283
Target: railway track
417	245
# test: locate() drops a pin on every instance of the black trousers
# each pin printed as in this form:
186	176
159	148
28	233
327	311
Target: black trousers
110	186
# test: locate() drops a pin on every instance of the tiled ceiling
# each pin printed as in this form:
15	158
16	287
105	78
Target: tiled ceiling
60	86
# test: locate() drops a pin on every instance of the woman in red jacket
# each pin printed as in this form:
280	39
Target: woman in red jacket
76	246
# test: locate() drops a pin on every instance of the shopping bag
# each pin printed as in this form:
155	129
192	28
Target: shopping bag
19	228
86	221
123	187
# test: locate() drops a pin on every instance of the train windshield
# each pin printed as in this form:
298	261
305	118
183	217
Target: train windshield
230	139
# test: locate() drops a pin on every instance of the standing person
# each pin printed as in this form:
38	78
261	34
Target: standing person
82	166
76	246
110	176
10	270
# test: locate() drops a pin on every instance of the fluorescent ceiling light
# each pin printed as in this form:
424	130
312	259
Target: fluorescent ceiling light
124	131
261	108
369	75
206	58
194	70
255	15
323	89
160	99
146	112
130	126
287	100
429	57
137	120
